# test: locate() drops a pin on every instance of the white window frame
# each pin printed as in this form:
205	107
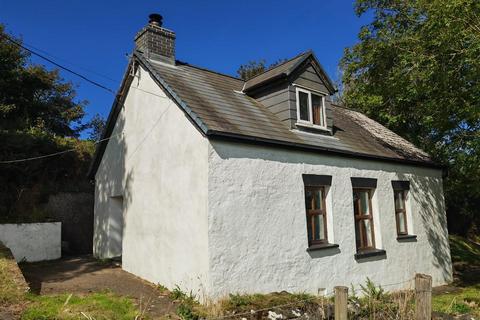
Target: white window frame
310	112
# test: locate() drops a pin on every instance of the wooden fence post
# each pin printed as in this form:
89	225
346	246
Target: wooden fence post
423	297
341	296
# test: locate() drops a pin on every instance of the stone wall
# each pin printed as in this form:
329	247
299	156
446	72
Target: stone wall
75	212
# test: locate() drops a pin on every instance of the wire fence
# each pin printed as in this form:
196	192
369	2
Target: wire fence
312	298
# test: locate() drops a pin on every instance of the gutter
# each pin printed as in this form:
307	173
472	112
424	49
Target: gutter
213	134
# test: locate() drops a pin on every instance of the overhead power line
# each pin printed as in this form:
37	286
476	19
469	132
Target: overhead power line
57	64
86	79
52	154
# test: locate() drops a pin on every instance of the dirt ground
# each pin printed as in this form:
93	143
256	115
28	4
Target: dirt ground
85	274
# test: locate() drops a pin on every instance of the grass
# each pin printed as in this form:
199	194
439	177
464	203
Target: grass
466	300
10	290
98	306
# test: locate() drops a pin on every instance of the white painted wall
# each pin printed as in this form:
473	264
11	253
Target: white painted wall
257	224
217	217
160	167
33	241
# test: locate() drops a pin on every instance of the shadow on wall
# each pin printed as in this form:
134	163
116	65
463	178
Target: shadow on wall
431	200
429	191
112	195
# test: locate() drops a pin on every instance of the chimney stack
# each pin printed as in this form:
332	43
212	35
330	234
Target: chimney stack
156	42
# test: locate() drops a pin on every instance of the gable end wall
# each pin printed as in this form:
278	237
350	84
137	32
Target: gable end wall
159	166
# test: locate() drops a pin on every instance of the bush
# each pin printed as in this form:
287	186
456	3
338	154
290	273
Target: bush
25	186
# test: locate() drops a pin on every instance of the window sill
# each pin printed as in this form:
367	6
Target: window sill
407	237
370	253
322	246
312	127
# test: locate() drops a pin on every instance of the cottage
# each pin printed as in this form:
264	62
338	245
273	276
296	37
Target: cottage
220	185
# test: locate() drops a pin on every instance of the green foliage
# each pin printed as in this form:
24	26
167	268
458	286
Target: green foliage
25	186
186	312
375	303
96	126
372	292
247	302
39	115
34	97
253	68
70	307
188	309
416	70
463	250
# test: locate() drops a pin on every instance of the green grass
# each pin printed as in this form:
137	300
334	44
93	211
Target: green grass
10	292
98	306
463	250
466	300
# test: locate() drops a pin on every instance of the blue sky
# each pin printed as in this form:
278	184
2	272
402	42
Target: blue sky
94	37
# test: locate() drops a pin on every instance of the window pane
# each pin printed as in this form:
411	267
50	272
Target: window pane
367	225
310	223
364	203
317	110
303	105
402	223
320	228
308	199
357	234
318	199
399	199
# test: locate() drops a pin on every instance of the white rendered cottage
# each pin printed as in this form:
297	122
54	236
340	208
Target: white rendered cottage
220	185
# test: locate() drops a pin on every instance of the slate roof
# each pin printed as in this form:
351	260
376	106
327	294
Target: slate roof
216	104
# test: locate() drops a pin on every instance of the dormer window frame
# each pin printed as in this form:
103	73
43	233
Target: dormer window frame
310	92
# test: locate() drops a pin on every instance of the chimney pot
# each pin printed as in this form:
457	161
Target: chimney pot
155	19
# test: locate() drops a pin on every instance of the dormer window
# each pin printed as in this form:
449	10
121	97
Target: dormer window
311	108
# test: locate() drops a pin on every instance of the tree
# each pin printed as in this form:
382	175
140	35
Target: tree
416	70
33	97
39	115
97	126
253	68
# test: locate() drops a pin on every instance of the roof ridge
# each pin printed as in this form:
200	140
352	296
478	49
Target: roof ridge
183	63
281	64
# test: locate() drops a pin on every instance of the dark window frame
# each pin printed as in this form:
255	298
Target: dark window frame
312	213
361	226
399	211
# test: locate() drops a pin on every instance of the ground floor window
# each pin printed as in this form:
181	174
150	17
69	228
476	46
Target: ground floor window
401	211
316	190
316	215
400	194
364	230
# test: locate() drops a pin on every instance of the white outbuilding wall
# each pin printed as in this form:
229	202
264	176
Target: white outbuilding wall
151	191
258	233
33	241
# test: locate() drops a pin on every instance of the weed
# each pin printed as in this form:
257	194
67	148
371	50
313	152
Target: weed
186	312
